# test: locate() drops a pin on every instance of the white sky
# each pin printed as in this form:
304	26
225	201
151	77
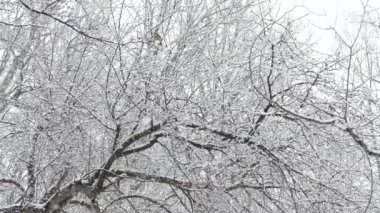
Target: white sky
325	13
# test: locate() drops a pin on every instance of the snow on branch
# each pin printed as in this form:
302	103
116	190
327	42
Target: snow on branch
361	143
13	182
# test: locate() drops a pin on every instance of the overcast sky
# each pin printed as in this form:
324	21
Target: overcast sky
325	13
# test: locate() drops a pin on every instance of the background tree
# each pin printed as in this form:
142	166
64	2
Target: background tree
231	111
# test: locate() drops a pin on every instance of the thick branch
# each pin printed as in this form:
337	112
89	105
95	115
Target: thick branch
361	143
244	186
53	189
225	135
208	147
313	120
101	174
246	140
303	117
260	119
57	201
20	208
13	182
64	196
155	178
144	147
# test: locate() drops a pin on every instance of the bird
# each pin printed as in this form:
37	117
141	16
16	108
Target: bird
157	37
332	108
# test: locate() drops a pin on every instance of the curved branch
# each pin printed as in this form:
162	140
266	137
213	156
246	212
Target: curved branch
314	120
245	140
361	143
66	24
155	178
303	117
224	134
119	152
13	182
144	147
208	147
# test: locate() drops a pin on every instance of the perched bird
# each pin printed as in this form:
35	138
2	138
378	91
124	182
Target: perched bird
157	37
332	108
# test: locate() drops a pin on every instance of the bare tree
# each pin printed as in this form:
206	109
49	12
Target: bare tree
183	106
